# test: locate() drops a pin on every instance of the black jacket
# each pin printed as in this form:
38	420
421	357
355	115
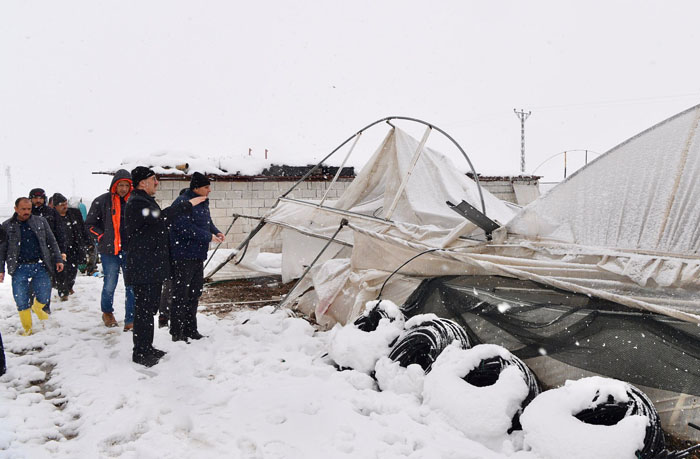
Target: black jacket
9	250
77	239
147	239
99	222
51	215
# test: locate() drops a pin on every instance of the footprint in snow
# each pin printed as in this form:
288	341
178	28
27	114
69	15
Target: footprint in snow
280	450
249	448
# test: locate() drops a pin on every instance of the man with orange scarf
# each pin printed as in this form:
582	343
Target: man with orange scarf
105	223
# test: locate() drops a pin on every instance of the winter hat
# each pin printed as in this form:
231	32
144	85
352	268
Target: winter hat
141	173
58	198
37	193
198	180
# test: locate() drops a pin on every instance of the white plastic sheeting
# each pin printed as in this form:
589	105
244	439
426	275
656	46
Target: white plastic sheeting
626	228
420	214
568	268
642	195
254	264
433	180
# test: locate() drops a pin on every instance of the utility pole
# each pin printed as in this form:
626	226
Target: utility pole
522	116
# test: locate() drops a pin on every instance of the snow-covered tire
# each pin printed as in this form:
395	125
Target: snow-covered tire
423	343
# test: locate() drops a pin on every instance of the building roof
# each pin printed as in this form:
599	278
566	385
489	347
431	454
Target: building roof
170	166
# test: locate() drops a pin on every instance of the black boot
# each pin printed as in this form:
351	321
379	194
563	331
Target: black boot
195	335
145	359
3	367
157	352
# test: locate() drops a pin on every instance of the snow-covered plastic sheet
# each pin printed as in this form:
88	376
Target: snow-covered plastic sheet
641	197
420	214
626	228
433	180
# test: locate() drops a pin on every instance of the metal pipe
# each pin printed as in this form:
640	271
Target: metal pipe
343	222
340	169
240	246
219	244
388	119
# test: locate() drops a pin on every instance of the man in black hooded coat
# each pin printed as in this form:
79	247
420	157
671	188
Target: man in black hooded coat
39	207
77	240
148	257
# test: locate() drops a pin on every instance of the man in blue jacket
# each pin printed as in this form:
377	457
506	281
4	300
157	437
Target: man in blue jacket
190	236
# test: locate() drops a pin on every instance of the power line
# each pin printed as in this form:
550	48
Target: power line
493	116
619	101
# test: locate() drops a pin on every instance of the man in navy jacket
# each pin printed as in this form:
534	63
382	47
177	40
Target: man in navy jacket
190	236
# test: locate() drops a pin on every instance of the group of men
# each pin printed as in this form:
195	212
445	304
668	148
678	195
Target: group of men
151	246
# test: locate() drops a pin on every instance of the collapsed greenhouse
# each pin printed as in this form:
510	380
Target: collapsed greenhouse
600	276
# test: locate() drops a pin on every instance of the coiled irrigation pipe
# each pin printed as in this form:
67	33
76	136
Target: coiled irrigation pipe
490	369
423	343
369	321
612	411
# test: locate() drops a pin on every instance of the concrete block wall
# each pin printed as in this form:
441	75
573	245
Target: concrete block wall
251	198
502	186
254	198
502	189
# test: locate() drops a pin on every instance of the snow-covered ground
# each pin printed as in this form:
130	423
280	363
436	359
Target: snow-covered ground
261	385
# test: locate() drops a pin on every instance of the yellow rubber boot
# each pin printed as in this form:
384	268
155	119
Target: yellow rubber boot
26	318
38	309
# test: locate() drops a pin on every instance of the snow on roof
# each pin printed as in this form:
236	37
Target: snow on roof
187	163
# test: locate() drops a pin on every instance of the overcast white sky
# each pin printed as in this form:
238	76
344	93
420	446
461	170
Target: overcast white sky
84	83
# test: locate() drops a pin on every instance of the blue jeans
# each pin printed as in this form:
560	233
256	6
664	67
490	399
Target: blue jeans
36	276
110	266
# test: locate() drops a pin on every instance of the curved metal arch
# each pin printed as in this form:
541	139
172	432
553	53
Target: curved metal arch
576	150
387	120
